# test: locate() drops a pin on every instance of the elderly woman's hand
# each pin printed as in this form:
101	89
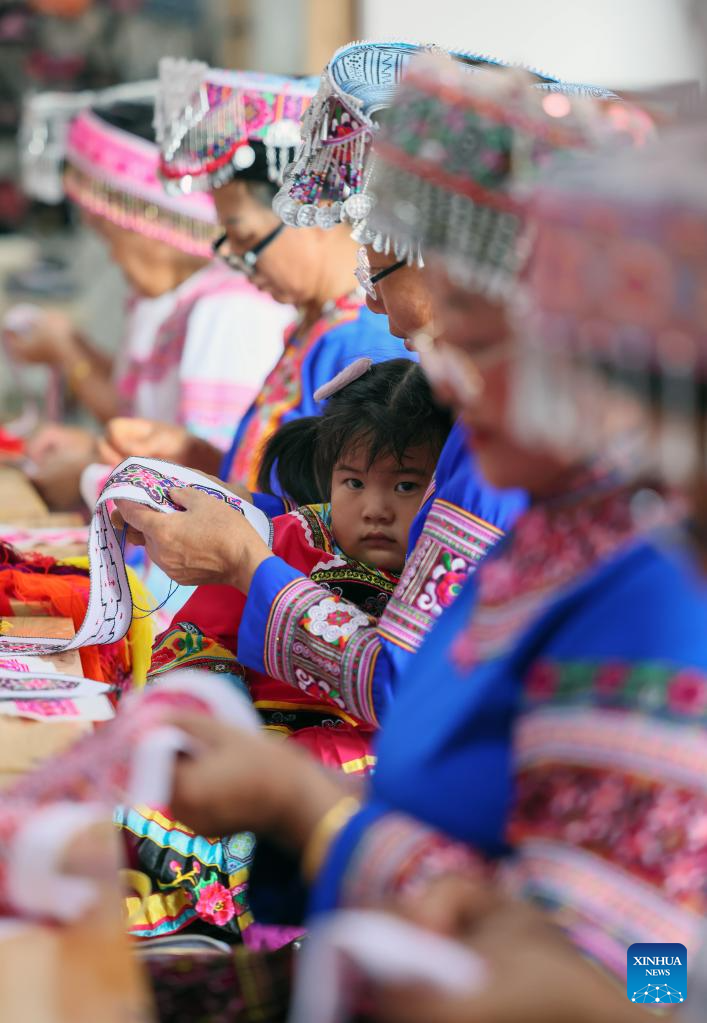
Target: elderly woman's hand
535	975
209	542
236	780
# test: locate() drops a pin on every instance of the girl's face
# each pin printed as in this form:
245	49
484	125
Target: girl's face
372	507
290	267
471	369
403	296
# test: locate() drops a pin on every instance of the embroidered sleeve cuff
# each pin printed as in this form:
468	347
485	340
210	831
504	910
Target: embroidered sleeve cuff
379	854
270	579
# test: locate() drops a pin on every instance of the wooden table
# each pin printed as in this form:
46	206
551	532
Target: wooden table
25	744
19	501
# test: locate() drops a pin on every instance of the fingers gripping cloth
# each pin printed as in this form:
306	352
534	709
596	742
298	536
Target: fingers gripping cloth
130	760
109	612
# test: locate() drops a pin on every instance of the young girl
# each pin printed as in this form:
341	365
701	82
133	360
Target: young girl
366	462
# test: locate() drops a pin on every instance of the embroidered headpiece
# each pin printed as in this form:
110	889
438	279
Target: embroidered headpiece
213	125
327	183
112	172
616	297
44	127
452	145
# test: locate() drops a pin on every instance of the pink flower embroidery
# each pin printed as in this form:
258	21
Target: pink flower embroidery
542	681
215	904
610	678
449	588
687	693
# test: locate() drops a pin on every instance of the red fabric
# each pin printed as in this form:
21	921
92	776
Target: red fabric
217	611
39	579
9	444
332	736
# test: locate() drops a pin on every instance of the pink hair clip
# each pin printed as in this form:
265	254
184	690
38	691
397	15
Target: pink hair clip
352	372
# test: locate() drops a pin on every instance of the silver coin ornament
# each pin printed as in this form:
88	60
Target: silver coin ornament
306	216
244	157
357	207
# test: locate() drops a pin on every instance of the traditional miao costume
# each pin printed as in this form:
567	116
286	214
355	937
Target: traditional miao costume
566	719
215	125
250	112
204	635
198	354
464	517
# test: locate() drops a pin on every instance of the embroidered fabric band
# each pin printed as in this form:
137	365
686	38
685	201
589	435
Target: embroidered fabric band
398	854
109	613
113	173
451	544
326	647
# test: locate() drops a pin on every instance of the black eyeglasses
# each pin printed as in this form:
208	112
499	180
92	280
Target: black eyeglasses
246	263
366	279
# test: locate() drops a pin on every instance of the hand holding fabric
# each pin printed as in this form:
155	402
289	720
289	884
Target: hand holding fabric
208	543
49	341
535	975
236	781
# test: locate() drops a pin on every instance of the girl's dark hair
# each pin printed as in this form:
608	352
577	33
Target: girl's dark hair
387	411
133	116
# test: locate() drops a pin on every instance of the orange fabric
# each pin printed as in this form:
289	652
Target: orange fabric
67	596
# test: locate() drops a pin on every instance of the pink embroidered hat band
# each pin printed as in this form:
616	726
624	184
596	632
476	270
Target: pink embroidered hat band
112	172
46	118
613	313
214	125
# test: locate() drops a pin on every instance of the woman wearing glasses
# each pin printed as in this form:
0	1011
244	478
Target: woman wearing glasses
199	340
238	147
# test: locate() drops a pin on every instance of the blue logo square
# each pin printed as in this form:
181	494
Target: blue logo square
656	972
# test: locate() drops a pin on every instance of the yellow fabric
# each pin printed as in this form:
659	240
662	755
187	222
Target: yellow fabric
141	634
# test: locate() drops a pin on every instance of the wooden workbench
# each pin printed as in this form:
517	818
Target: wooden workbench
25	744
19	501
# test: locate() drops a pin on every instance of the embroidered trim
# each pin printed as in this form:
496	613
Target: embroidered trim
618	908
650	687
398	854
451	545
341	673
282	390
662	751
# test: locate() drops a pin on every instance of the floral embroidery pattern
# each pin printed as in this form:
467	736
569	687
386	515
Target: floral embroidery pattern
651	688
185	645
157	486
445	585
334	621
212	901
653	831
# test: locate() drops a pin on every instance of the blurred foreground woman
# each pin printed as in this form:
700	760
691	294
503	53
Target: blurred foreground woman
614	357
